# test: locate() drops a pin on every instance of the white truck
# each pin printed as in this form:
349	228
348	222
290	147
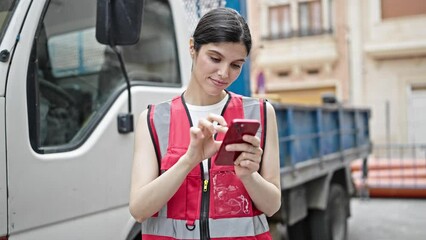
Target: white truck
64	166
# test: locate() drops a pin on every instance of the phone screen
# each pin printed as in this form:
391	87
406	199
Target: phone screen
235	133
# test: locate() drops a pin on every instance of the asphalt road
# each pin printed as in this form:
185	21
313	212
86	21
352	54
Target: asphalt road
387	219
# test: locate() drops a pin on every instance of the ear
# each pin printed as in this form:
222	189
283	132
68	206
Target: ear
191	47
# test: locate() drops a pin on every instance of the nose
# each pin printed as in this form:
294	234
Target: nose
223	71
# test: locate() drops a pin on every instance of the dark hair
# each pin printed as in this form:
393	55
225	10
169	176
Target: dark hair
222	25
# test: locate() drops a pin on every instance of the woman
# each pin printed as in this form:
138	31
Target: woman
177	191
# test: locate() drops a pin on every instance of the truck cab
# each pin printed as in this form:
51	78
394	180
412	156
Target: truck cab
64	166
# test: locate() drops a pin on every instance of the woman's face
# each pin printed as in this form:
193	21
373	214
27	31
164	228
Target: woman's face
217	65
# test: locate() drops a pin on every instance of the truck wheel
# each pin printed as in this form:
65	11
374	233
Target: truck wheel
278	231
331	223
299	230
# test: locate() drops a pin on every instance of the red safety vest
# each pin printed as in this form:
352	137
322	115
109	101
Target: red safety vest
218	208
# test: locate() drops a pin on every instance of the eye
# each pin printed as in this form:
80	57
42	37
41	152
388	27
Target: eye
235	66
214	59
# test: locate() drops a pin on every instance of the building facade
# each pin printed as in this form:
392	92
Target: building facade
388	67
367	53
300	49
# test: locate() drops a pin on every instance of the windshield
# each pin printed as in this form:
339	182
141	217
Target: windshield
6	9
75	79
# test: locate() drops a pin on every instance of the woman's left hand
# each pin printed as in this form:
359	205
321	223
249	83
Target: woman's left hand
249	159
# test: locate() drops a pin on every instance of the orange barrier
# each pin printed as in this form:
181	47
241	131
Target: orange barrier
396	182
394	187
393	173
397	192
393	178
389	163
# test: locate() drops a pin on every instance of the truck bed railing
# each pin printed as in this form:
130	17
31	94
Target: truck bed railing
307	132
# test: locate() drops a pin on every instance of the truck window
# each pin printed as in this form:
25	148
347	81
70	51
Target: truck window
6	9
73	80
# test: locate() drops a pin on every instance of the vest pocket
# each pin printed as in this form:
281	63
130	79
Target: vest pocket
176	207
184	203
229	196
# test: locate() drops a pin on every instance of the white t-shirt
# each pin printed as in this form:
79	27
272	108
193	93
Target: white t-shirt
199	112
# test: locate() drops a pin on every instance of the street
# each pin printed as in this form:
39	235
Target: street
387	219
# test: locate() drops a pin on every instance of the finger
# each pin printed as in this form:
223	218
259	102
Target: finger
253	140
252	166
196	133
256	150
220	128
217	118
206	126
245	156
244	147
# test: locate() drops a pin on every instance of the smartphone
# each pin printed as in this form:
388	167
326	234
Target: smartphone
235	133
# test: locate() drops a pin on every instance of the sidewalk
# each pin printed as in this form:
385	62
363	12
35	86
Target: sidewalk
387	219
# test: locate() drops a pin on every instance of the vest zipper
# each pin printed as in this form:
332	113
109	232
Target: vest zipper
206	185
204	212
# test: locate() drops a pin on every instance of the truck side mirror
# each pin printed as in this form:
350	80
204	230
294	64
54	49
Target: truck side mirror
118	22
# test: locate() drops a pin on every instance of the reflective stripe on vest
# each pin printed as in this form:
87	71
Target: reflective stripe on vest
169	123
219	228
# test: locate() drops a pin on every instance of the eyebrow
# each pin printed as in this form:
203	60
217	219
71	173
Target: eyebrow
220	54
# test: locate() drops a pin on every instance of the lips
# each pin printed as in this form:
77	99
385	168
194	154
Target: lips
218	82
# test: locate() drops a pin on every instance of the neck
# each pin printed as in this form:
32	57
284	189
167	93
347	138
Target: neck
202	99
196	99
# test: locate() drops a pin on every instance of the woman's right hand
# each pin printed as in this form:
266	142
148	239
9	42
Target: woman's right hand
203	145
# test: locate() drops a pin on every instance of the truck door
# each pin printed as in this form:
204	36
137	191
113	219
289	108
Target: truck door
10	20
3	179
68	167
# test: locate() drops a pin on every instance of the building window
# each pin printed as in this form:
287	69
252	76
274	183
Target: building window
398	8
298	18
331	16
310	18
280	21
